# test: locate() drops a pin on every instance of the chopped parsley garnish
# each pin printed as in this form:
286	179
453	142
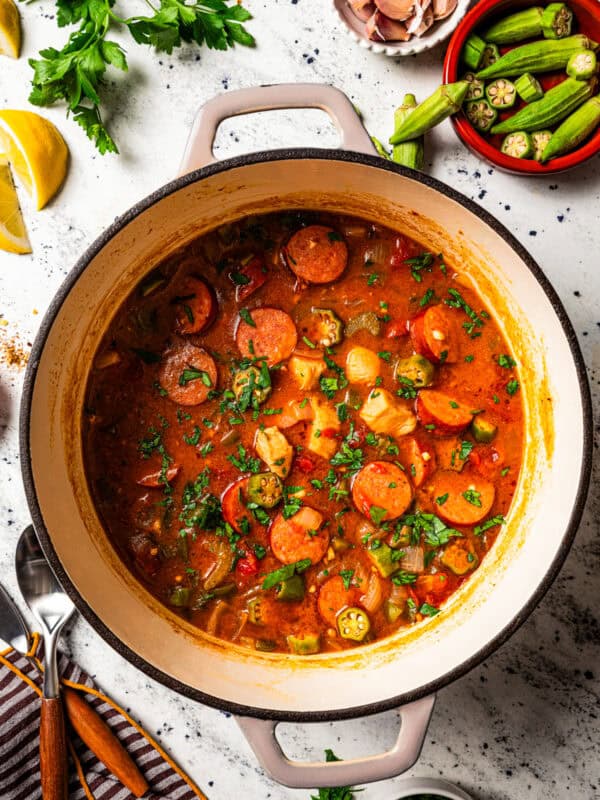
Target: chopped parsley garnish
377	514
316	483
385	355
373	278
403	578
239	278
407	389
350	457
259	551
308	343
194	437
346	575
512	387
329	386
506	361
206	449
341	411
473	497
274	578
441	499
418	264
504	472
245	315
292	504
468	359
243	461
334	236
465	450
428	610
435	531
476	320
192	374
489	523
427	298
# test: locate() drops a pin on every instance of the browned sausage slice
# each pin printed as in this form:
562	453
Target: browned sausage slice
187	374
442	411
435	334
317	254
333	597
381	491
196	306
299	537
273	335
469	497
233	503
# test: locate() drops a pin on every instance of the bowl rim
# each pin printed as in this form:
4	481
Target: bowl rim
90	615
413	46
471	138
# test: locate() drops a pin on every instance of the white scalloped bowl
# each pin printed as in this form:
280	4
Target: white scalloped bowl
437	33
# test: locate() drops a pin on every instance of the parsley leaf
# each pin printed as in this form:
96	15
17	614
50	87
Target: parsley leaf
272	579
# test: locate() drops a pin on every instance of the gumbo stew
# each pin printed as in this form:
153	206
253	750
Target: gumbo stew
303	432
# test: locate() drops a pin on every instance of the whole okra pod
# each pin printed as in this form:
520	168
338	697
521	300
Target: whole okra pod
412	153
574	129
554	106
446	100
544	56
516	27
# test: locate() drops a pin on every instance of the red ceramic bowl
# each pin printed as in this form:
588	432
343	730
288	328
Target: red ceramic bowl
587	21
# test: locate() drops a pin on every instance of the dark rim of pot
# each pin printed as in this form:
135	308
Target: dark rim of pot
45	539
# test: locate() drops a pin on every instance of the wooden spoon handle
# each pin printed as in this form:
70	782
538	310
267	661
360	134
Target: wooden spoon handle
102	742
53	750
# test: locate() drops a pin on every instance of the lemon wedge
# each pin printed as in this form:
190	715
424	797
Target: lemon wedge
36	151
10	29
13	236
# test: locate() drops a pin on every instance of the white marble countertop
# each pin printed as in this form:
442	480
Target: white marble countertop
525	723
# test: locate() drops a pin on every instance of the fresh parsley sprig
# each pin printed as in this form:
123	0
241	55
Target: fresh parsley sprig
75	73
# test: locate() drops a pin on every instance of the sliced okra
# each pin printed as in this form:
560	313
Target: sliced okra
557	20
476	88
539	140
529	88
481	115
518	145
473	51
582	65
501	93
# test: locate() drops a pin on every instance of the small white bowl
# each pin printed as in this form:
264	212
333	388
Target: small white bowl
437	33
414	787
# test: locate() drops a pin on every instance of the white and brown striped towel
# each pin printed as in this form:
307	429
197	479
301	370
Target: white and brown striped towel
20	689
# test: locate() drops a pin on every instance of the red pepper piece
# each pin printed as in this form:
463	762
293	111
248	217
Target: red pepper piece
247	566
305	464
256	273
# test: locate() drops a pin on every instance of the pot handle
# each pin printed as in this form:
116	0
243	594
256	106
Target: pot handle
199	148
414	720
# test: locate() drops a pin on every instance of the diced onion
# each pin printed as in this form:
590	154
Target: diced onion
414	560
373	597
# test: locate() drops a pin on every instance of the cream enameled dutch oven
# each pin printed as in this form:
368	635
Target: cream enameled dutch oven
404	671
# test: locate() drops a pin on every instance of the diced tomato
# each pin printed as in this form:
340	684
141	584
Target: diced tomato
305	464
436	586
329	433
396	329
402	251
247	566
256	273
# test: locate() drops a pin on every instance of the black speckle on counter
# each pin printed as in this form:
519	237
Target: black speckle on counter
577	293
507	208
560	217
482	194
533	233
553	187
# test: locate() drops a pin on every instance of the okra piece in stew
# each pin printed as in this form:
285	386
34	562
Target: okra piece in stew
417	369
554	106
265	489
291	589
529	88
481	115
353	623
574	130
306	645
543	56
526	24
539	140
557	20
483	430
472	53
476	88
582	65
446	100
411	153
328	327
501	93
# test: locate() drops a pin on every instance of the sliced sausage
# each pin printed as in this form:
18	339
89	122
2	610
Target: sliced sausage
273	335
317	254
381	485
419	460
333	597
233	505
435	334
469	497
187	373
299	537
443	411
196	306
158	477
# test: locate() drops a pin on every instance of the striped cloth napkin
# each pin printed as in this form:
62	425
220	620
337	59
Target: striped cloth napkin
20	690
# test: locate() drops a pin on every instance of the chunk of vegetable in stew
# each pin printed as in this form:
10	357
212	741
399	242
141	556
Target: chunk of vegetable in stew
304	442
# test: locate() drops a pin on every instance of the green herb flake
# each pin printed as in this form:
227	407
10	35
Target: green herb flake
512	387
246	316
473	497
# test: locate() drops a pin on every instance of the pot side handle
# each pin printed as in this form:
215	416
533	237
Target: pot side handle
199	148
414	720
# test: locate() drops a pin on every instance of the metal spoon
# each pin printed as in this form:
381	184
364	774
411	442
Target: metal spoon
52	608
